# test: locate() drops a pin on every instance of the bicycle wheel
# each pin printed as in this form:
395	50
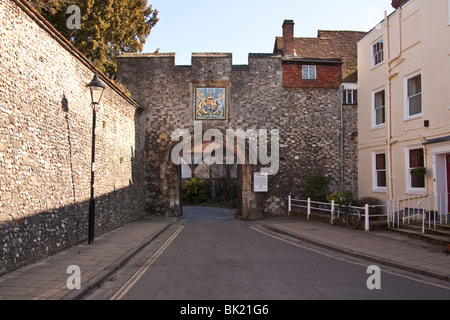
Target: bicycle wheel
353	218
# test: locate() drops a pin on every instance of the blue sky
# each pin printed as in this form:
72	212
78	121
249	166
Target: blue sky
241	27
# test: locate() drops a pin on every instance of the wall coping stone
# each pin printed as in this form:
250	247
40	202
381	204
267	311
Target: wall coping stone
46	26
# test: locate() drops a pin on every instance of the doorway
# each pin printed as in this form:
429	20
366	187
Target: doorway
236	175
209	184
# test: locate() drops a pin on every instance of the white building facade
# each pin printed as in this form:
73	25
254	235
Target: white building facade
404	104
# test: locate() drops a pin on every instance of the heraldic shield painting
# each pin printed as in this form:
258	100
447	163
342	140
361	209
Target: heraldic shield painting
210	104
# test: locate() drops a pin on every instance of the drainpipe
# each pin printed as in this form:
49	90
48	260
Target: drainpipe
341	91
390	61
389	76
388	110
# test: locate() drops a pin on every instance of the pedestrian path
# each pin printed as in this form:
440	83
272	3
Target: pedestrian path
382	247
48	279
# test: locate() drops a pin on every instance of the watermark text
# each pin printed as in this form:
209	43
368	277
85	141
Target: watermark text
74	280
246	147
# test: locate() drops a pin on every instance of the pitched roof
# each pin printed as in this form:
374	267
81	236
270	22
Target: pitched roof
311	48
329	45
346	45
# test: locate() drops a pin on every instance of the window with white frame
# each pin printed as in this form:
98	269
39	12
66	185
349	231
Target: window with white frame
379	174
377	53
350	96
309	72
414	96
379	103
415	178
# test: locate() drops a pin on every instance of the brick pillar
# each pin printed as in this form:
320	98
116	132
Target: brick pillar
288	37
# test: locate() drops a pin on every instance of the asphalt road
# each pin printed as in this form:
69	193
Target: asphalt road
209	255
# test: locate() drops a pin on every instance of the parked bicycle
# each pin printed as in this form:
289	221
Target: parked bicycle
348	215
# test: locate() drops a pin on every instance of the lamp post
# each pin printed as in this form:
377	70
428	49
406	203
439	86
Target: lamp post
96	88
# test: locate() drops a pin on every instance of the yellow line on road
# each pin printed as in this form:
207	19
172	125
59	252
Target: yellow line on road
132	281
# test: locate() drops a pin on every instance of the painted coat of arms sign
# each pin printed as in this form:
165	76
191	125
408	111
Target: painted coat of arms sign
210	103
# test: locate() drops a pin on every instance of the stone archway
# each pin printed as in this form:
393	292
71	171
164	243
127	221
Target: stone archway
170	174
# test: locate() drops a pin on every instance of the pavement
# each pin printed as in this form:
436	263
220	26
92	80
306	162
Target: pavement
380	247
49	278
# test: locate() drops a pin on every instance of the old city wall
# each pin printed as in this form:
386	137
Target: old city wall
308	119
45	144
46	126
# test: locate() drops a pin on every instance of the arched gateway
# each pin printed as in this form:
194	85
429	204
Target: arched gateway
223	147
278	135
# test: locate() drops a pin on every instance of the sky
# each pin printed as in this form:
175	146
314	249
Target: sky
241	27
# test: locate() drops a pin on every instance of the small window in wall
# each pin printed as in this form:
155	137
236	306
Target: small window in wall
380	172
416	160
379	108
377	53
350	97
414	96
309	72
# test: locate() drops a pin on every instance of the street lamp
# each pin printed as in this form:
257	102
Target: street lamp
96	88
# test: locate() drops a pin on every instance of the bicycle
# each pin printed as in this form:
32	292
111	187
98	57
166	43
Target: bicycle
349	216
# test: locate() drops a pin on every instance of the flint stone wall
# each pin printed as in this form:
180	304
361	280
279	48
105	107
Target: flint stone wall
308	119
45	144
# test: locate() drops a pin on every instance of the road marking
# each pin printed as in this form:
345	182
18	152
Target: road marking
132	281
350	261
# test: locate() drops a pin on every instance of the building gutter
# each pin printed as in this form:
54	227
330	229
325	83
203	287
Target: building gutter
436	140
336	61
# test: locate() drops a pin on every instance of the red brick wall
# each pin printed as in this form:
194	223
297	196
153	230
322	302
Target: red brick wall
327	76
288	37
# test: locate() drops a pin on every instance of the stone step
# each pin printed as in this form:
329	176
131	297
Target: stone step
417	220
439	231
431	236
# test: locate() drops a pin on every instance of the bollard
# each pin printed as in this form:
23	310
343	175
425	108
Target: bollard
309	208
366	218
332	211
289	205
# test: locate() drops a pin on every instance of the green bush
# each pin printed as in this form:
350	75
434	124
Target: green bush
232	192
419	172
316	187
367	200
346	197
196	191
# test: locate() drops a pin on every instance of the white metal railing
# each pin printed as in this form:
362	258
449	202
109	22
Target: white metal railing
431	210
330	207
404	210
435	208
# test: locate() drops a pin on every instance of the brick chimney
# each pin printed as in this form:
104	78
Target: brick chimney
288	37
398	3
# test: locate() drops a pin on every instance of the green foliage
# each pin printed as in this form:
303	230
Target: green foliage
316	187
196	191
344	198
108	27
419	171
367	200
232	192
